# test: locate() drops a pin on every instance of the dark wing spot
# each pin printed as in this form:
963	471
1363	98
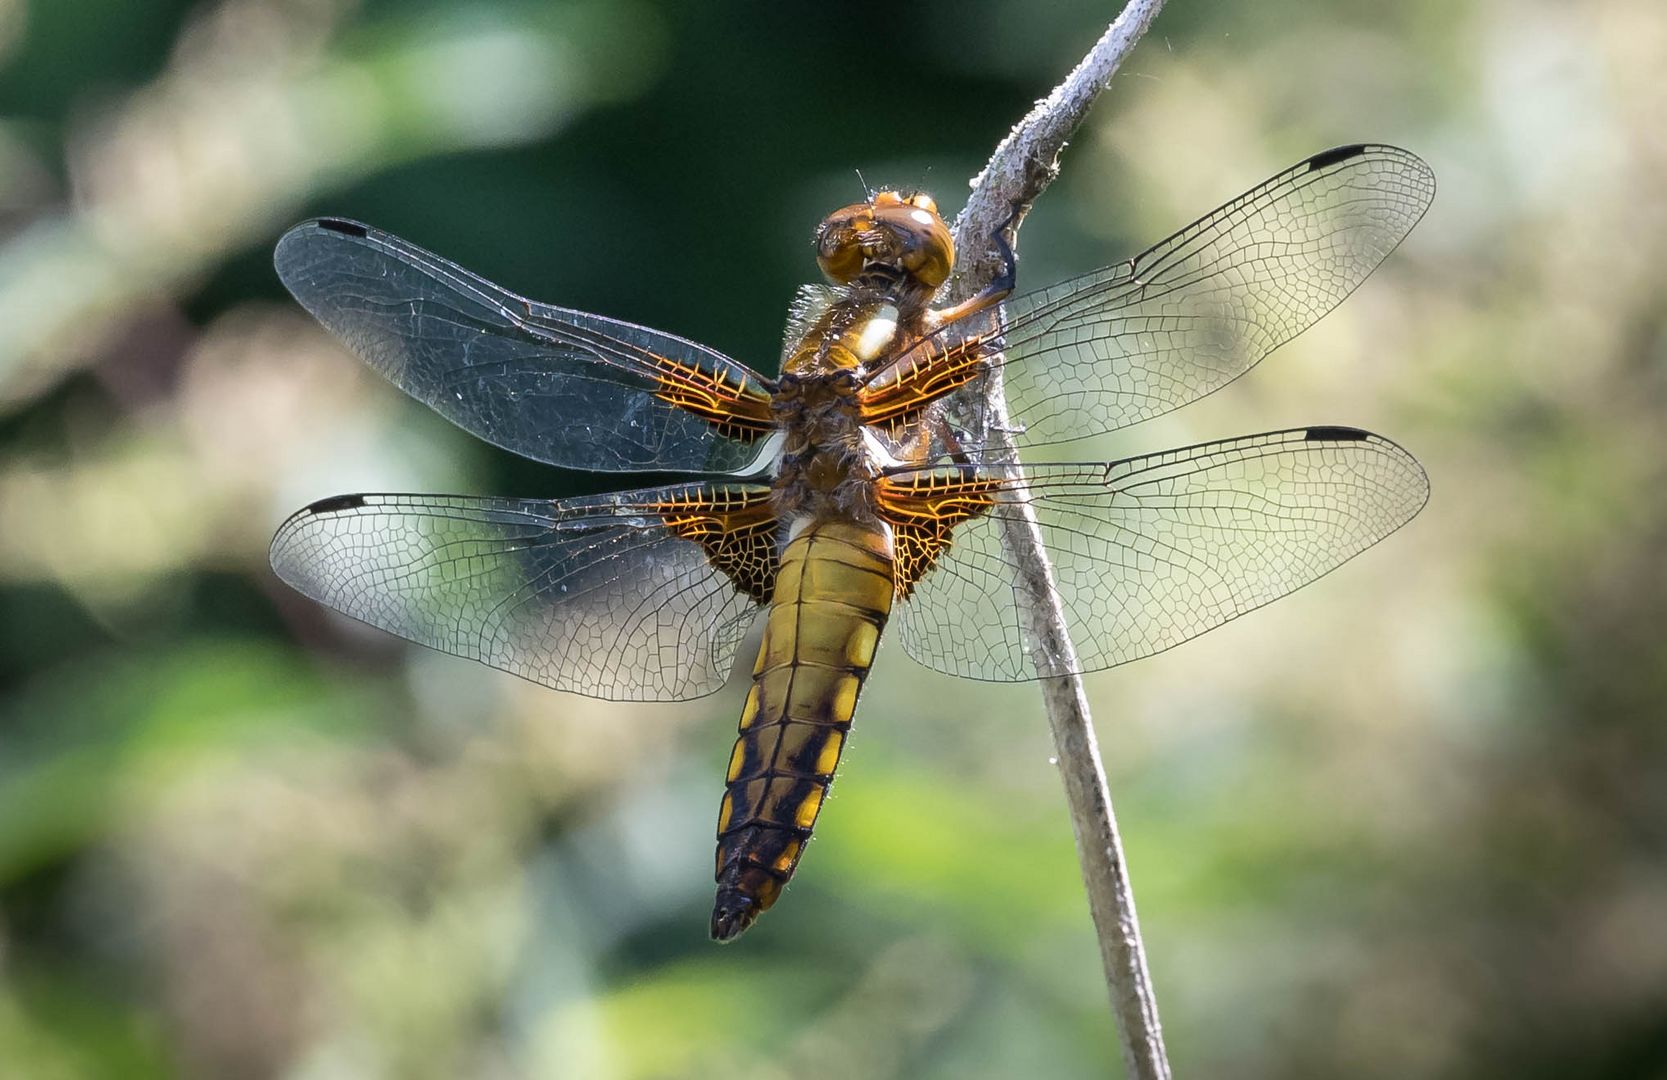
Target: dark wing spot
1327	158
335	504
342	225
1337	434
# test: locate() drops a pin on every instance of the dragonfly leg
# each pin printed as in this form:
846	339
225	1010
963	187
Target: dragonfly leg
1001	287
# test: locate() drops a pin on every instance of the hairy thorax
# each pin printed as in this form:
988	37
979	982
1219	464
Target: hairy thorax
827	465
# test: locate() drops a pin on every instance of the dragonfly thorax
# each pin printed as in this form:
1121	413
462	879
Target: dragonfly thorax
825	469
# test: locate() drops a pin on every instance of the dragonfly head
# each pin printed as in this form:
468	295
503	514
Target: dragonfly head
893	229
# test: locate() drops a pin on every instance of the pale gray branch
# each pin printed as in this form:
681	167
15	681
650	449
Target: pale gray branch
1024	164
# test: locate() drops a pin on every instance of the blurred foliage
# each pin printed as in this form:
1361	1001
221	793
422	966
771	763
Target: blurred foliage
1411	823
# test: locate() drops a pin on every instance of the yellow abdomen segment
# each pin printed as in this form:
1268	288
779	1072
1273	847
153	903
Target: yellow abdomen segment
833	594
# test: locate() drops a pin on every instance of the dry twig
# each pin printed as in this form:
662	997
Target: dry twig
1021	167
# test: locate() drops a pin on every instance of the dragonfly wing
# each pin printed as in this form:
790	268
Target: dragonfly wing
559	386
1190	314
1147	552
639	596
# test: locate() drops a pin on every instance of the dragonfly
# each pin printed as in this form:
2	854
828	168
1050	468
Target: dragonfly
851	493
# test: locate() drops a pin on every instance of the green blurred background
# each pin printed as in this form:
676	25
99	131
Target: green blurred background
1409	823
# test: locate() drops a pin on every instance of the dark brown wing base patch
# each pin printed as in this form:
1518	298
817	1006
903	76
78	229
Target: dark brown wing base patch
739	410
924	377
738	530
924	510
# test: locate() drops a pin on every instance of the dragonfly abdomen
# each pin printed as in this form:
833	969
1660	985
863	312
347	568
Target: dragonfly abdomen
833	594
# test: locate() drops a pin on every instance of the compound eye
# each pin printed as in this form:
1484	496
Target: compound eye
839	242
887	198
840	257
922	201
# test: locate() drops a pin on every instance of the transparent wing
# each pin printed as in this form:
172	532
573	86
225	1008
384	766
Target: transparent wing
559	386
1197	310
599	596
1151	551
